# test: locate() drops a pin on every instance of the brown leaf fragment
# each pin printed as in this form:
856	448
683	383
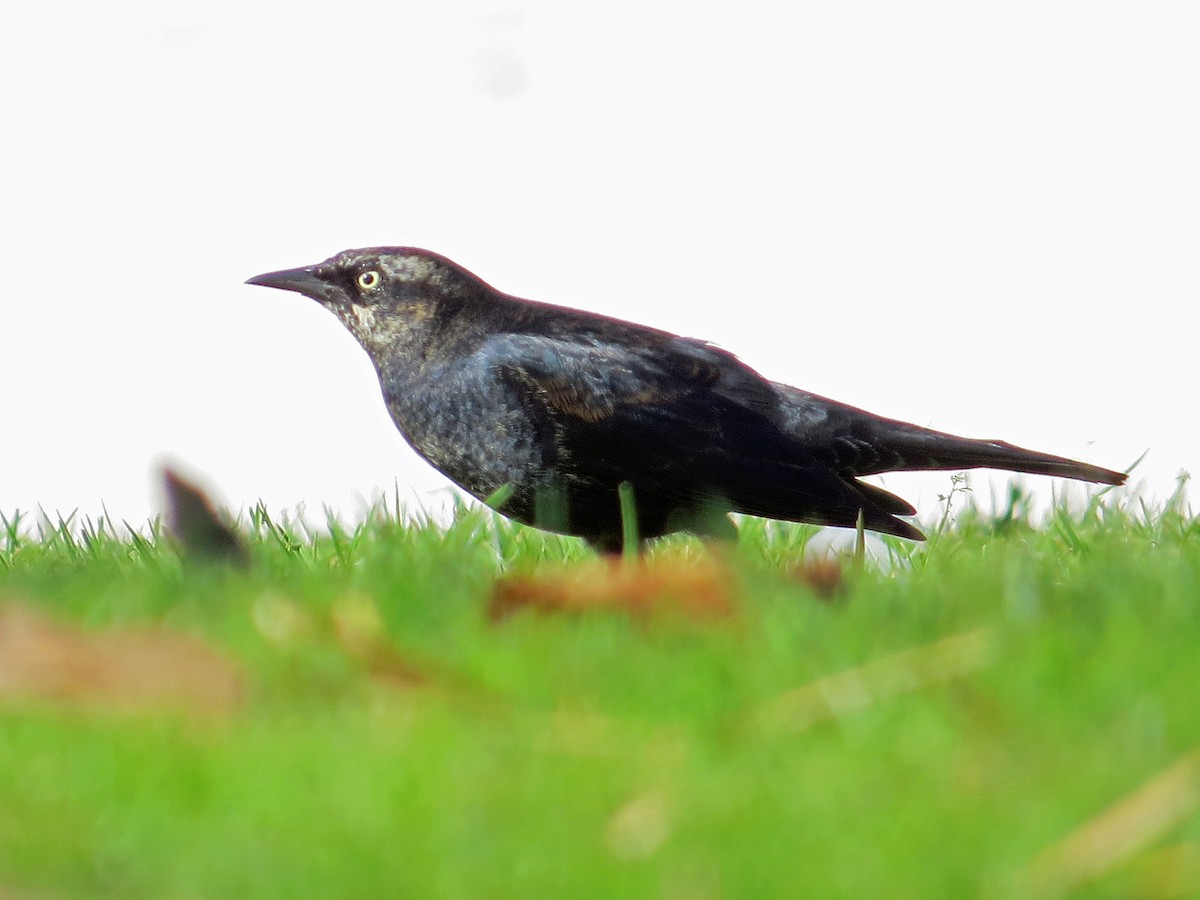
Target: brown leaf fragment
694	589
1133	823
125	670
193	518
824	577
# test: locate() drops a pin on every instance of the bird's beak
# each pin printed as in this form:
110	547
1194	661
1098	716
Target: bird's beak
302	281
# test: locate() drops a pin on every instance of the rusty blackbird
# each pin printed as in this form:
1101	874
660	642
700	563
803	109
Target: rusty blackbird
549	410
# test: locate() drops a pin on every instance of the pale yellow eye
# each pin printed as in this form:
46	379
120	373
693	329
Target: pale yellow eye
369	280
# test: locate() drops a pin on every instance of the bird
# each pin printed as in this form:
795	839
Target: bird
561	419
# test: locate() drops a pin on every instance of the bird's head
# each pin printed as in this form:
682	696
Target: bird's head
386	296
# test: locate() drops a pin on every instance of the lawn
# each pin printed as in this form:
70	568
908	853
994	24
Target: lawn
407	709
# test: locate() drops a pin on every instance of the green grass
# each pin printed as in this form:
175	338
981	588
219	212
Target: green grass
601	756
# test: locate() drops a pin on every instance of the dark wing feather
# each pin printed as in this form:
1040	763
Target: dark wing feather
686	423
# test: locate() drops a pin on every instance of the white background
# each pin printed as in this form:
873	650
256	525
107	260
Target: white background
980	217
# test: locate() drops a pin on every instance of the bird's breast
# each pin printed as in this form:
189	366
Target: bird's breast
467	426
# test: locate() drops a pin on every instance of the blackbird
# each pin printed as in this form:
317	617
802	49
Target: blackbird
554	415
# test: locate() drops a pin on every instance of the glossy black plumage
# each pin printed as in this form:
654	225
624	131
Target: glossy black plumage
554	408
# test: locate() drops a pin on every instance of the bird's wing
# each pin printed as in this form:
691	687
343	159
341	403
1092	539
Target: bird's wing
684	421
686	389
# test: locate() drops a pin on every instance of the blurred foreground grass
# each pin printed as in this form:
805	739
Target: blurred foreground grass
1006	711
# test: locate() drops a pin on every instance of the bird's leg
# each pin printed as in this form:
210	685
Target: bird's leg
708	520
551	509
611	546
718	527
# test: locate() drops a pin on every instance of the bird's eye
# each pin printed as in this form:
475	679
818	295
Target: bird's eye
369	280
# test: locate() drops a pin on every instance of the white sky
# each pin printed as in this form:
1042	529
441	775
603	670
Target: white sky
979	217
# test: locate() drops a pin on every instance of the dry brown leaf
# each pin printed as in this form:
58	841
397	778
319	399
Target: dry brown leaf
115	670
695	589
860	687
194	520
824	577
1129	825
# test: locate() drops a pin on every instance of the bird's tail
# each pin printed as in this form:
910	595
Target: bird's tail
924	449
